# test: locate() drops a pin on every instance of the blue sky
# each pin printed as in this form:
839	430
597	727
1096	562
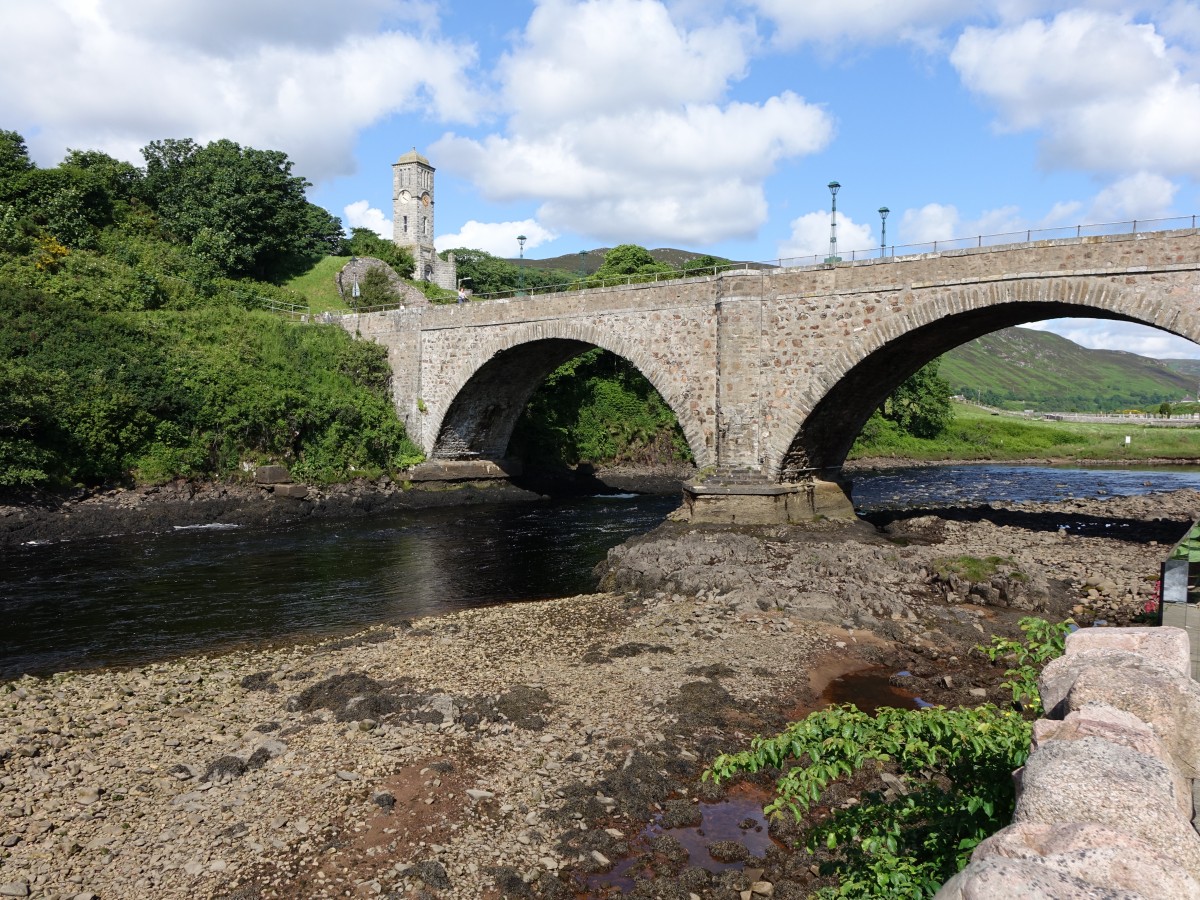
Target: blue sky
709	125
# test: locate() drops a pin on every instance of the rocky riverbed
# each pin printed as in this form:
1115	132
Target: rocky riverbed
548	749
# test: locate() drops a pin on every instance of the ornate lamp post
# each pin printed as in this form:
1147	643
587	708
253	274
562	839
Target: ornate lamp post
883	213
834	187
521	271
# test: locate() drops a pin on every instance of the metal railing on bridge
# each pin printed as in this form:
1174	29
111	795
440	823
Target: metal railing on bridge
1028	235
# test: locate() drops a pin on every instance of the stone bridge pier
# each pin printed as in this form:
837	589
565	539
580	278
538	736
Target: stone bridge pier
771	372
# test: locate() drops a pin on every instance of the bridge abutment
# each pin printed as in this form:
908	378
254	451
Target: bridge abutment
794	503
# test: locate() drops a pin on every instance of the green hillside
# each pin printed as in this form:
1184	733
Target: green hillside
1019	368
1187	367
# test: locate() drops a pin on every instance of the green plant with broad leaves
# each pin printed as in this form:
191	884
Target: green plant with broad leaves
1043	642
947	777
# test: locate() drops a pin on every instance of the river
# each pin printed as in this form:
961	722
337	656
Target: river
135	599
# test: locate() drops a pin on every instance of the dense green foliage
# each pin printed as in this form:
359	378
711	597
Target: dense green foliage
129	348
484	273
365	242
1019	368
598	408
630	259
239	208
954	768
1043	642
920	406
103	396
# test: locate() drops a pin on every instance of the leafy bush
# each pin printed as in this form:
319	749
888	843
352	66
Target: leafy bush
1043	642
111	396
598	408
952	789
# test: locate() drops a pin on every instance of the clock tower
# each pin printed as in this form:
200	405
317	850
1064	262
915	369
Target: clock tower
412	219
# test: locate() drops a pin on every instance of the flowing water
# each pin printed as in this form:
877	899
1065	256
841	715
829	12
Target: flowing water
81	604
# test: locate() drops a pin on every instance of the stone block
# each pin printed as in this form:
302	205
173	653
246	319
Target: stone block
1160	695
464	470
272	475
1166	646
1118	727
1093	780
1100	856
998	878
291	491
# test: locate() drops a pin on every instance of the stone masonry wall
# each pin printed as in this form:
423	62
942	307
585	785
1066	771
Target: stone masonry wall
1105	802
773	372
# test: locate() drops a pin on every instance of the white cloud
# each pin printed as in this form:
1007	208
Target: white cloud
810	237
1103	334
222	27
360	214
618	126
863	21
1109	93
932	222
604	57
1141	196
1064	212
88	75
497	238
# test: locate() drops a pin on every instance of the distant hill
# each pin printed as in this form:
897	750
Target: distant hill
592	259
1188	367
1019	368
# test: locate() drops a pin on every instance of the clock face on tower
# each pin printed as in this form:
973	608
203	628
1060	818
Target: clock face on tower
425	199
405	196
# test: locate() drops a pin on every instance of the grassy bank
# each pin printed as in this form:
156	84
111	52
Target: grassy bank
976	434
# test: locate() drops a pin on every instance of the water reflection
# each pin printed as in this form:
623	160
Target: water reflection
144	597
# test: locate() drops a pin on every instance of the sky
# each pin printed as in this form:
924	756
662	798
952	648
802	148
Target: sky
707	125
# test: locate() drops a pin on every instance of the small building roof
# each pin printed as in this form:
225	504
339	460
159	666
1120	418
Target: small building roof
413	156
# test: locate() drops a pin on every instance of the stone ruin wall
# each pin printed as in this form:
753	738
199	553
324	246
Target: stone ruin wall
1106	803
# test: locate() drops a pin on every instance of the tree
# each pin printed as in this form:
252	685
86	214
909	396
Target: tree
485	273
704	263
14	158
921	404
239	207
365	242
630	259
1164	409
122	180
375	288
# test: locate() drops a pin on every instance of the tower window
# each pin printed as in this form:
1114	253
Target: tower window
406	224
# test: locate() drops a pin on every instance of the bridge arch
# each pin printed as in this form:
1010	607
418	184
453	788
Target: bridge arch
492	387
827	416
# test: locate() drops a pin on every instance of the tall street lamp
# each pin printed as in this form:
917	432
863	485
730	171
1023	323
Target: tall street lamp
582	264
883	211
834	187
521	271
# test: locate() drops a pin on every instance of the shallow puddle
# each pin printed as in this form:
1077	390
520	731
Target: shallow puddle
737	817
869	689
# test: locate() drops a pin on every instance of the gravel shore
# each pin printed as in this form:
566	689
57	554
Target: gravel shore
512	751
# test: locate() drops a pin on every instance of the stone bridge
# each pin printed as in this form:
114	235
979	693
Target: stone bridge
771	372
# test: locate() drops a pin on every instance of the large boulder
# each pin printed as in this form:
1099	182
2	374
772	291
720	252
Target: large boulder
1157	692
997	878
1118	727
1100	856
1092	780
